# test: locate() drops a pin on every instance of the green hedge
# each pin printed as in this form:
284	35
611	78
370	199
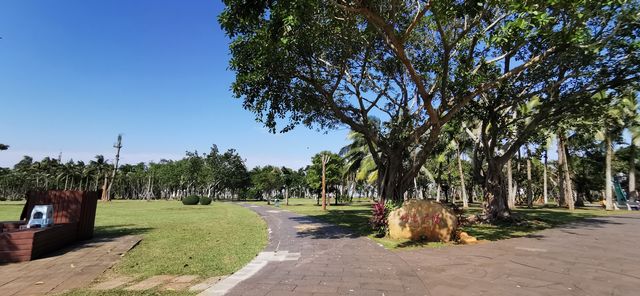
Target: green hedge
205	200
190	200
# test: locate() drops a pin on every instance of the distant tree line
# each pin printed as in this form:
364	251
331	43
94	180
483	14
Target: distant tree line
219	175
449	176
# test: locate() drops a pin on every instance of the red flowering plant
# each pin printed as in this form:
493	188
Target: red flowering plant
379	219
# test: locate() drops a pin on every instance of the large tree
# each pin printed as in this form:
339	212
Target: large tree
267	180
414	64
334	168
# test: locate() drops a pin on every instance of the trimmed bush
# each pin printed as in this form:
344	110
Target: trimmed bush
190	200
205	200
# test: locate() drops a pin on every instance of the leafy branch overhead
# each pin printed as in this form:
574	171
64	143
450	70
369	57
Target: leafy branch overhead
417	65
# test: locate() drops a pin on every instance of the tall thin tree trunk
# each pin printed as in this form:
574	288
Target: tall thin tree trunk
439	181
104	188
463	187
149	189
418	191
608	177
632	170
511	191
118	146
529	188
286	196
544	176
325	158
560	170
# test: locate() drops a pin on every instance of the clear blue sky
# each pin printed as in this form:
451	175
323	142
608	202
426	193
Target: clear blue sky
75	73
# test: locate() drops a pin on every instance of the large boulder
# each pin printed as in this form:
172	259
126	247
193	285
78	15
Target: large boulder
423	220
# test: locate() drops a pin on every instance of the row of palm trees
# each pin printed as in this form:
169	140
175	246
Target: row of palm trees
51	173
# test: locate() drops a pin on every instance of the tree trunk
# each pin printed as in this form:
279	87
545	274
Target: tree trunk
118	145
439	182
391	186
632	171
495	196
325	158
104	189
566	191
511	202
286	196
418	190
544	176
463	188
560	170
149	189
529	189
608	177
449	182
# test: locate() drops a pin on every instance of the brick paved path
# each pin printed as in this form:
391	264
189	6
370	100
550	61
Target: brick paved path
594	257
71	268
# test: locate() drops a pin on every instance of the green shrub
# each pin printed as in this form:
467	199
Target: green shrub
190	200
205	200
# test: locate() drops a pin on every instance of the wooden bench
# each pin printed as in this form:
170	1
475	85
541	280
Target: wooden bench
74	217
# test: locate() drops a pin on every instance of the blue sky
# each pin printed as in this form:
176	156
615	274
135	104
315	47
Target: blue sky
75	73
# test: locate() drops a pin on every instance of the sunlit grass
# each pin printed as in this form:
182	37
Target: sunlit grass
10	210
212	240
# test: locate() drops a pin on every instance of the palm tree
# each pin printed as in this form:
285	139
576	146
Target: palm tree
545	146
633	126
359	163
99	167
620	114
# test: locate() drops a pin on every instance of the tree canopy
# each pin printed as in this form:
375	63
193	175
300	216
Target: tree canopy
418	64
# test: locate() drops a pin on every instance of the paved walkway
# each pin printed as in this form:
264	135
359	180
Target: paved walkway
593	257
71	268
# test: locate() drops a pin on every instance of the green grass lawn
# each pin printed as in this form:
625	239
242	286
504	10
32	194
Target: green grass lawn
10	210
212	240
355	216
